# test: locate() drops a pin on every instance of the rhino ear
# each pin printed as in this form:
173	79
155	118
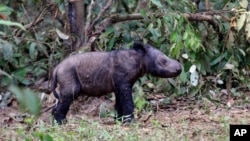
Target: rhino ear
140	47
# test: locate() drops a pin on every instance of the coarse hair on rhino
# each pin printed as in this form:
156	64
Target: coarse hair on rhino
100	73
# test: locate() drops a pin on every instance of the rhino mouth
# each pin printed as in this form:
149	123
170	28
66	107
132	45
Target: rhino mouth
178	71
174	73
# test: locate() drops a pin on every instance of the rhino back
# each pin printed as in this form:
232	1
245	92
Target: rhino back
94	73
98	72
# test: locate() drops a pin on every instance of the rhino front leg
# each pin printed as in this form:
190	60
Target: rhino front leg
118	107
124	103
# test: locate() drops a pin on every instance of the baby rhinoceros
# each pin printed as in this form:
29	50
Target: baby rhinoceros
100	73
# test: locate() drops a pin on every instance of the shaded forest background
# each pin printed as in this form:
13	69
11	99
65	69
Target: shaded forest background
209	37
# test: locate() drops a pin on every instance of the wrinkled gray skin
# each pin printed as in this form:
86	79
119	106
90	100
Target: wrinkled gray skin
100	73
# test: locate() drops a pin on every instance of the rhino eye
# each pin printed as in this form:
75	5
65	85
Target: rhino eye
163	62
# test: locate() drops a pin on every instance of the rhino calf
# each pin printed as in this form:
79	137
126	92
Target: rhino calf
100	73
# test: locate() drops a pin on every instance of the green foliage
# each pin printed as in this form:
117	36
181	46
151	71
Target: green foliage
10	23
213	52
25	56
157	2
28	100
42	136
139	98
5	9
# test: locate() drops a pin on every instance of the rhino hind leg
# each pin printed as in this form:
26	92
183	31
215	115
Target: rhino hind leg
60	110
67	96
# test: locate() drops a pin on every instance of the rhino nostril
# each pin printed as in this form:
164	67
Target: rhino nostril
179	69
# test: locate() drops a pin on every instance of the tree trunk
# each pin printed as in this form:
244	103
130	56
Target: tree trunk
76	12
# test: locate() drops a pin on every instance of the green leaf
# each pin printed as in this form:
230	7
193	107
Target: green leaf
108	31
27	139
140	104
143	13
5	9
5	81
127	36
18	93
111	43
32	102
184	77
157	2
150	85
62	35
241	21
243	3
7	50
155	33
48	138
139	100
5	73
191	43
20	75
218	59
32	50
247	27
150	26
10	23
158	23
28	100
103	110
230	40
62	7
242	52
185	35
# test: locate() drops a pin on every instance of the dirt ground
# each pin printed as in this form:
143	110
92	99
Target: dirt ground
184	114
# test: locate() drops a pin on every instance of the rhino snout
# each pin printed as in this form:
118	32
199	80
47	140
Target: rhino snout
174	69
177	68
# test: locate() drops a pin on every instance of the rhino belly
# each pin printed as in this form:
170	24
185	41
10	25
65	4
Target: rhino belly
96	90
